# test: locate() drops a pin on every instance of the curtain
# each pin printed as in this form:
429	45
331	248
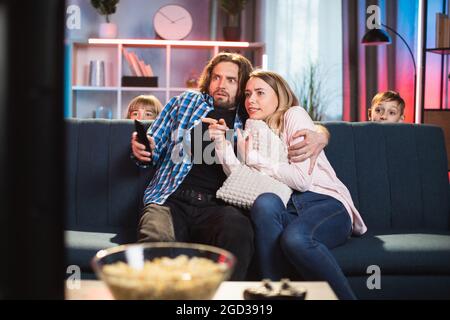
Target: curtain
299	33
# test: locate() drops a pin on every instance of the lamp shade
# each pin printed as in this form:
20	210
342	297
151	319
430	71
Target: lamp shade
376	37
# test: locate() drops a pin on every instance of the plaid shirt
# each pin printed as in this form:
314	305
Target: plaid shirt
172	134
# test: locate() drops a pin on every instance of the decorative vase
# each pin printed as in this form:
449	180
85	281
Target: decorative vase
232	33
108	30
232	30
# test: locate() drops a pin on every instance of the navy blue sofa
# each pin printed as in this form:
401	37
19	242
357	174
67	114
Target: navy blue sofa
397	175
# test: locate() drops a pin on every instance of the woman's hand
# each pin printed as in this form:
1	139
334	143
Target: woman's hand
244	146
247	154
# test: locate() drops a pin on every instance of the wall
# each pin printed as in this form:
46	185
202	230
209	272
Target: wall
135	18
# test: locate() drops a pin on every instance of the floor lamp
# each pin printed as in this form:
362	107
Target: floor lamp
376	37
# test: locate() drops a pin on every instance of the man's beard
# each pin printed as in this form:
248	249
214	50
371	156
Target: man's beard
224	104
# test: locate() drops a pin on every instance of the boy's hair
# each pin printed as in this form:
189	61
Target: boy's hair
245	67
143	101
389	96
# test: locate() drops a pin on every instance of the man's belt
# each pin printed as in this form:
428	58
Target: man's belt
193	196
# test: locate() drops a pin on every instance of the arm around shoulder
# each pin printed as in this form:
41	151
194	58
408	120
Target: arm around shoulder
324	134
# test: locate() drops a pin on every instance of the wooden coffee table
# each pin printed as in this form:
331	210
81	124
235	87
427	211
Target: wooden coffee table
229	290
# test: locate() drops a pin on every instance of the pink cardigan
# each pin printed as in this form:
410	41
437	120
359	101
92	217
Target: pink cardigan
323	179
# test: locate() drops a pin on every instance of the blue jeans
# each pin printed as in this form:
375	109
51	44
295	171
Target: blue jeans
298	238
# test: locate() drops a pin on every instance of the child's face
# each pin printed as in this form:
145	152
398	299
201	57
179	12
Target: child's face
260	99
142	113
386	111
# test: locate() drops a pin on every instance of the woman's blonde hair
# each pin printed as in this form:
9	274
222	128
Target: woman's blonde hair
144	101
285	95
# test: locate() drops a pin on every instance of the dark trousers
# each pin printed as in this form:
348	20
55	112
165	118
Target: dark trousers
301	236
215	224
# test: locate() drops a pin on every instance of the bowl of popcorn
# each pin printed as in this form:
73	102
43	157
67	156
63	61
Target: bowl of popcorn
163	270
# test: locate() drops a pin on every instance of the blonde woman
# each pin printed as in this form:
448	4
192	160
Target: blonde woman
144	107
320	214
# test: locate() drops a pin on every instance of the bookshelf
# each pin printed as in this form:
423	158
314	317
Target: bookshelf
434	90
443	51
170	61
435	82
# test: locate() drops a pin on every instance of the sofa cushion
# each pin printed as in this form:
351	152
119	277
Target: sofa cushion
397	253
404	287
81	246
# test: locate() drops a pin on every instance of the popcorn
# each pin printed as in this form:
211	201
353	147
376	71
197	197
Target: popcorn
165	279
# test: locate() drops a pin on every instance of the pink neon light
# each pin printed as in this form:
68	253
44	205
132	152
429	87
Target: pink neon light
184	43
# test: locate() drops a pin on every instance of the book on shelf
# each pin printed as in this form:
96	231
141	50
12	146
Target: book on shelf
143	68
130	63
137	66
149	70
445	42
442	31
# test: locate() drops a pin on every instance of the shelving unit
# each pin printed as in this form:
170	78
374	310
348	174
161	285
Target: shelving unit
426	51
169	62
439	50
439	114
443	52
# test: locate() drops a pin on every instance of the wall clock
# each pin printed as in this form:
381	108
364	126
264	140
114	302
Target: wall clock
172	22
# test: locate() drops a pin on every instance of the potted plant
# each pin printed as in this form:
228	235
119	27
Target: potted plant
233	8
106	8
311	93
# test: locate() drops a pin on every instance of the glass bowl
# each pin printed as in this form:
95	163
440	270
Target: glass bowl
163	270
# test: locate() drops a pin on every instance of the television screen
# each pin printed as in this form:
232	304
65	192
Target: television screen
31	156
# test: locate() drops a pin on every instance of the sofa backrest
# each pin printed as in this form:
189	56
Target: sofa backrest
104	187
396	173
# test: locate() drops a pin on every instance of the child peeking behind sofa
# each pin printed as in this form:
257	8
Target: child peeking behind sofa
387	107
